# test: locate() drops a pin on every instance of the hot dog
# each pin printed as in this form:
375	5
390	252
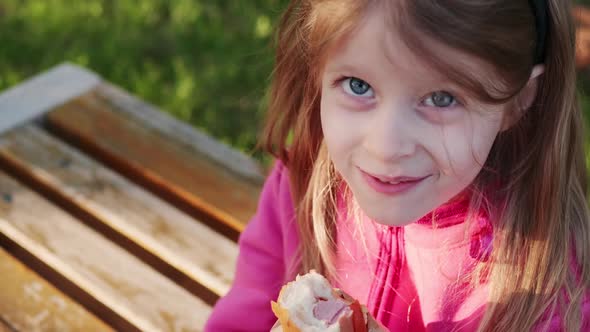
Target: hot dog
310	304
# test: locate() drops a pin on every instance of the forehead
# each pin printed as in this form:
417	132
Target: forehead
377	43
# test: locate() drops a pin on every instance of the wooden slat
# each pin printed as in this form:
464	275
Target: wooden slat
43	92
182	133
30	303
168	238
157	158
128	294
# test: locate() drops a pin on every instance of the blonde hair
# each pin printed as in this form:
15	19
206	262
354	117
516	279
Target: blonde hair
541	220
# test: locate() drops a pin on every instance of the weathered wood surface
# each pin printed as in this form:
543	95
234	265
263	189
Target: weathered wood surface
136	296
157	155
136	237
180	132
144	221
29	303
43	92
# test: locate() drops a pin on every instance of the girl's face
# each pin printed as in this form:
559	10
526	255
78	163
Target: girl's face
403	138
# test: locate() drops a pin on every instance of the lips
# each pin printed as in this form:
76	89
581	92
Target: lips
397	179
392	185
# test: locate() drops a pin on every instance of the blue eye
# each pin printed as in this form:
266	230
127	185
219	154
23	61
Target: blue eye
357	87
440	99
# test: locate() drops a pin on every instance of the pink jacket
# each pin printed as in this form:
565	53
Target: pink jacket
407	280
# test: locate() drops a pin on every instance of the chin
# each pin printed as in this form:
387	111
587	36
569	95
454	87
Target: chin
392	219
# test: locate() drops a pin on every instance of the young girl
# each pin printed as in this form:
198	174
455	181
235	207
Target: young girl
431	165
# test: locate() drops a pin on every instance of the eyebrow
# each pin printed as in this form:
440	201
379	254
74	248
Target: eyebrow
343	67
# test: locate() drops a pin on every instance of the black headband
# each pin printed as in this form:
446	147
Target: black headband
541	22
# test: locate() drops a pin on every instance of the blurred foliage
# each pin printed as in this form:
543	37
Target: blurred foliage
205	62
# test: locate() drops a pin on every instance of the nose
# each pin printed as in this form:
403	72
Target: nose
391	133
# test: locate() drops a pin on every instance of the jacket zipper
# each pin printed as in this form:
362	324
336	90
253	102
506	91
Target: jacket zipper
388	269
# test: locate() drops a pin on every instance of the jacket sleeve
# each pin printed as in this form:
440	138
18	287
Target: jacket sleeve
260	270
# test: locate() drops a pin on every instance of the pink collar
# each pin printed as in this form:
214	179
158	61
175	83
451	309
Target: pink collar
447	226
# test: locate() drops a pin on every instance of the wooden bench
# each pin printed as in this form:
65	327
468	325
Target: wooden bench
113	215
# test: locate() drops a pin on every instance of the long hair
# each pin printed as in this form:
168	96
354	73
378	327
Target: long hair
540	260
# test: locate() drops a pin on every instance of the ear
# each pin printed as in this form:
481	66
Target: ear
525	98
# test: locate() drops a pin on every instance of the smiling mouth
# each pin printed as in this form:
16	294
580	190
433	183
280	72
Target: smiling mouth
397	180
392	185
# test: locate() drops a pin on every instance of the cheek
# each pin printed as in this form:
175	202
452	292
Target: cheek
338	133
465	148
326	114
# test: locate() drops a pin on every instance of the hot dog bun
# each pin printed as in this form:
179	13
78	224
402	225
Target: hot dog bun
310	304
